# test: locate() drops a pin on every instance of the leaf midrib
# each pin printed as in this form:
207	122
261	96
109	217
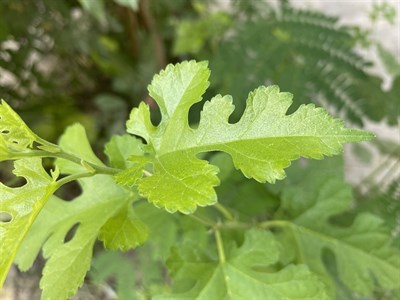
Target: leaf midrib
219	146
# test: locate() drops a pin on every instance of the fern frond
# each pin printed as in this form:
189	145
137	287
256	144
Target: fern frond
307	53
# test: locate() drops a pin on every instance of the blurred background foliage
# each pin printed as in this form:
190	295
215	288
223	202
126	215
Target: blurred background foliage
90	61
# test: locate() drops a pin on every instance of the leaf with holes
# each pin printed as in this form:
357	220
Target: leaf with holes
15	135
200	274
21	205
96	211
261	144
362	250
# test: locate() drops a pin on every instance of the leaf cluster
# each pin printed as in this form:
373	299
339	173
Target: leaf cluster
256	243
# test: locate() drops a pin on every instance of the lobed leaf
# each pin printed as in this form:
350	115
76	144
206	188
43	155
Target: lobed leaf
198	274
112	264
15	135
363	253
261	144
67	230
123	231
22	205
14	131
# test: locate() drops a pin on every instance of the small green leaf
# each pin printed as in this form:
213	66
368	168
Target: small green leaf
261	144
13	130
15	135
198	274
120	148
74	141
139	122
390	62
123	231
126	152
22	205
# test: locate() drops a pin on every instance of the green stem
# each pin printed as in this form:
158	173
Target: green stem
203	220
236	226
98	169
274	223
41	153
220	246
72	177
225	212
47	143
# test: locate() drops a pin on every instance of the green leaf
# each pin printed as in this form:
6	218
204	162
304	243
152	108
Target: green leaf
14	131
75	141
126	152
261	144
160	241
68	261
123	231
22	205
111	264
362	250
15	135
199	274
390	62
67	230
120	148
306	52
180	183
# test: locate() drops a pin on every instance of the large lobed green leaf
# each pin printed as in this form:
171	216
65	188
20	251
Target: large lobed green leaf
21	205
363	255
67	230
200	274
261	144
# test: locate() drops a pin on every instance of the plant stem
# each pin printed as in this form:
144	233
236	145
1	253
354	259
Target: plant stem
41	153
220	246
225	212
274	223
72	177
202	220
236	225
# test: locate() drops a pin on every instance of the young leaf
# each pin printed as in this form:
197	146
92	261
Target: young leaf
14	131
15	135
261	144
22	205
123	231
75	141
198	274
120	148
362	251
127	153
